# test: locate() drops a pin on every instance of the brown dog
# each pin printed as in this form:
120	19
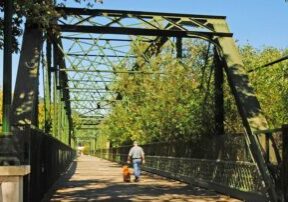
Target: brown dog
126	174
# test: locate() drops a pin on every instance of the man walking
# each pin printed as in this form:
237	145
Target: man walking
136	155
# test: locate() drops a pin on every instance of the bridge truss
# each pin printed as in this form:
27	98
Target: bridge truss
80	64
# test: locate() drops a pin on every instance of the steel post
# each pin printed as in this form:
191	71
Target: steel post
284	169
7	65
179	47
47	87
219	95
24	106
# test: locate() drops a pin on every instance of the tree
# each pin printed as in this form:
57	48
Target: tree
177	102
166	105
270	83
40	13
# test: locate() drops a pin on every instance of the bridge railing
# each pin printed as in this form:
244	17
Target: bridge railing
47	156
238	178
276	156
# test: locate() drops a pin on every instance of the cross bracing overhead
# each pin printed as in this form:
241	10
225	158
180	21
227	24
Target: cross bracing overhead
96	45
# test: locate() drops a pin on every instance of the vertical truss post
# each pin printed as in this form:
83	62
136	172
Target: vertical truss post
26	88
55	93
47	87
246	100
64	126
59	116
267	147
284	169
35	119
179	47
63	83
69	134
7	66
219	95
58	93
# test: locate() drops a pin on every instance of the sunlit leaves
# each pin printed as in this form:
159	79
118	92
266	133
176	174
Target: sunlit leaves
40	13
162	106
178	102
270	82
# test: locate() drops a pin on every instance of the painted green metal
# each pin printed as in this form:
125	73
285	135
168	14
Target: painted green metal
179	47
140	31
219	94
88	81
7	67
55	100
47	88
284	166
125	13
26	87
109	71
66	107
246	100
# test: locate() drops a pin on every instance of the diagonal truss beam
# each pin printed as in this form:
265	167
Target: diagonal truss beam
246	100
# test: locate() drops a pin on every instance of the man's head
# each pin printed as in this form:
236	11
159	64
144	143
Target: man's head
135	143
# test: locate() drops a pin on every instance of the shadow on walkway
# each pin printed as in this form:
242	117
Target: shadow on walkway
94	179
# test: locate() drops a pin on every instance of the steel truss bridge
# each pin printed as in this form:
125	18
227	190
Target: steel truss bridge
78	65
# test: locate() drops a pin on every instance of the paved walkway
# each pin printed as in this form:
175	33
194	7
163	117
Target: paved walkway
93	179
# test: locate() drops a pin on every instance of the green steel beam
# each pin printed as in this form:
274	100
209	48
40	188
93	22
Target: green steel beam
117	13
88	100
26	87
88	108
55	98
88	81
65	122
108	71
140	31
103	55
219	94
92	92
179	47
247	103
87	89
7	67
97	39
103	39
47	88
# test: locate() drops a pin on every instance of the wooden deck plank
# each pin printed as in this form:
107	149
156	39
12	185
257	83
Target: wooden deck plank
93	179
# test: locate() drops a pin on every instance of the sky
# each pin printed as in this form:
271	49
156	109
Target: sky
260	23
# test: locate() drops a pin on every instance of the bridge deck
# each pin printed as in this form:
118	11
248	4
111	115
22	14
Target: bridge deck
94	179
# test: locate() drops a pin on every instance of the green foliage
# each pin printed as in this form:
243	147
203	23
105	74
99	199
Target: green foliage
177	101
170	104
40	13
270	83
41	115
